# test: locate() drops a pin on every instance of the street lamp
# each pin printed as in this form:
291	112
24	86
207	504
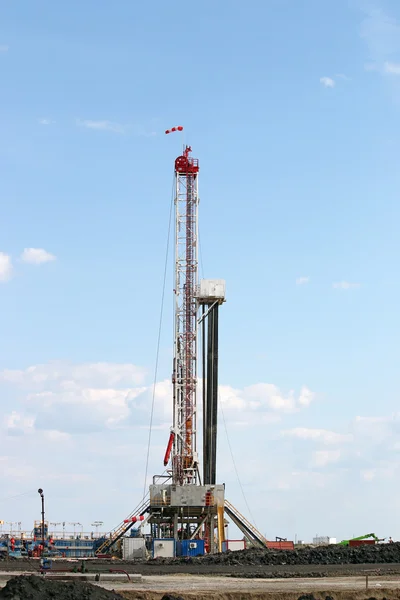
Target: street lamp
40	491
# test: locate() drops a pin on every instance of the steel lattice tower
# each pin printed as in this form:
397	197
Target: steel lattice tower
184	379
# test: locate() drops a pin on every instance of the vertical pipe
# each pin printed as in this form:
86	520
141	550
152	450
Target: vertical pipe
221	527
209	393
214	394
43	536
204	376
40	491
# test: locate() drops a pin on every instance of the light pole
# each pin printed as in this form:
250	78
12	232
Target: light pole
97	524
55	525
75	524
11	523
40	491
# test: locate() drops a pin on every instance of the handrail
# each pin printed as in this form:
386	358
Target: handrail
246	523
123	527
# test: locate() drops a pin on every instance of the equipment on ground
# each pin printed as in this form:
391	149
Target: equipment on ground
361	538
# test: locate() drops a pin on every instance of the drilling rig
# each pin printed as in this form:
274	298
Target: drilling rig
185	502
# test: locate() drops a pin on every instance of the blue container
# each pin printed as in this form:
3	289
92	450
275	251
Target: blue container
190	548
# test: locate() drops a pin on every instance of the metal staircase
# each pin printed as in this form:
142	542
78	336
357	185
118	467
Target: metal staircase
124	526
245	526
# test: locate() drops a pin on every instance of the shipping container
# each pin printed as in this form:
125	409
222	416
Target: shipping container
233	545
164	547
133	547
361	542
190	548
280	545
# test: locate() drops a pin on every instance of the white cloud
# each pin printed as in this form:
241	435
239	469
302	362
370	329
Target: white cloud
368	474
142	131
391	68
377	429
345	285
76	399
381	34
99	396
327	82
4	48
36	256
18	423
302	280
68	376
102	125
5	267
53	435
262	401
324	436
93	418
306	397
321	458
45	121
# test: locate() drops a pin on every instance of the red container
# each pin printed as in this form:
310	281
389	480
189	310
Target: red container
280	545
362	542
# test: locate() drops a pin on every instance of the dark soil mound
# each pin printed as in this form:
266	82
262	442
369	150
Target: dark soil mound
325	555
33	587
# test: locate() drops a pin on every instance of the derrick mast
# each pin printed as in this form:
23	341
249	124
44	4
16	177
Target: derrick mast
184	377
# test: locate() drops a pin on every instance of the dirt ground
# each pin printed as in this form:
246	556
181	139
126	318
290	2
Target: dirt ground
326	561
220	588
191	587
153	568
330	573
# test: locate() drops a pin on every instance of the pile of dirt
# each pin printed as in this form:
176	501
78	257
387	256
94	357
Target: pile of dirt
323	555
33	587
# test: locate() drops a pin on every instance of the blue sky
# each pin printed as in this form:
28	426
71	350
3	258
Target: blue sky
293	111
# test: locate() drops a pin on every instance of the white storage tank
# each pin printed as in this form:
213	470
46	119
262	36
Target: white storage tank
164	547
233	545
333	540
133	547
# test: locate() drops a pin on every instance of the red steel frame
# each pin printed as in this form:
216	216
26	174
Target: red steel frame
183	435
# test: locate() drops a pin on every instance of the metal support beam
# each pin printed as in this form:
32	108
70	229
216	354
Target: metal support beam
210	393
213	458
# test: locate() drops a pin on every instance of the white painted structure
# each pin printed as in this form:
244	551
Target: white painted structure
164	547
233	545
133	547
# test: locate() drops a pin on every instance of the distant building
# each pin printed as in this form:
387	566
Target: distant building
324	541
